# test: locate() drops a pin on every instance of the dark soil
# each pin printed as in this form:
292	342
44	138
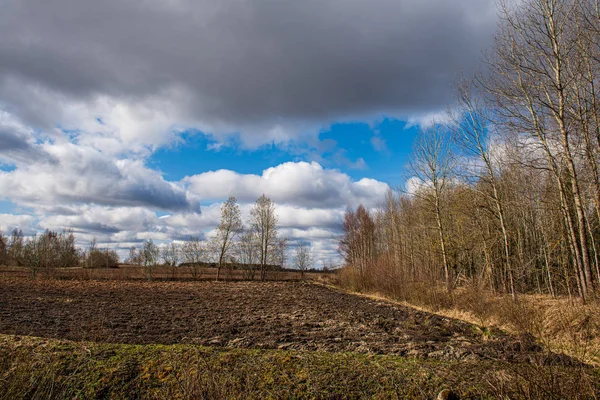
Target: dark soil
280	315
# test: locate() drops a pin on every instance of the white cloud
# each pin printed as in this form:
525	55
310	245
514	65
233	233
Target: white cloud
301	183
8	222
103	219
300	217
428	119
123	227
379	144
83	175
99	198
414	184
83	105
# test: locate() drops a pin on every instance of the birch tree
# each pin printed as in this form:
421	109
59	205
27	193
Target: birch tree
535	77
248	252
263	222
471	127
229	227
433	165
303	259
149	255
171	254
192	253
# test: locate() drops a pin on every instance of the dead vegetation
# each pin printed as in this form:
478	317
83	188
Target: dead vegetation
560	324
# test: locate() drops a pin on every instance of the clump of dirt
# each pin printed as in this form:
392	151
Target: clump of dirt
276	315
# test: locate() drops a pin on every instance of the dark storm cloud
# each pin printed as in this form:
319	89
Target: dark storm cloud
16	147
86	176
10	141
248	63
94	227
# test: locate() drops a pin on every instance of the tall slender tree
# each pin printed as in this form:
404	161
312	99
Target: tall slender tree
433	165
303	259
228	229
263	222
471	127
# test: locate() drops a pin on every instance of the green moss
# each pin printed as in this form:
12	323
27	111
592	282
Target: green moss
38	368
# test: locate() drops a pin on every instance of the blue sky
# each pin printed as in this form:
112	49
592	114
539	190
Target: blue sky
7	206
385	148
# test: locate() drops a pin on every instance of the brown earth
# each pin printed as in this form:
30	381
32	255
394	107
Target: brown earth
133	272
284	315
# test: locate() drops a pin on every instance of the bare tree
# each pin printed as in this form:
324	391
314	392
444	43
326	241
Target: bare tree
263	222
229	227
16	245
68	255
90	259
536	74
100	258
193	254
472	132
433	165
281	252
359	242
33	255
329	265
248	252
520	217
3	249
134	257
303	259
149	255
171	255
50	250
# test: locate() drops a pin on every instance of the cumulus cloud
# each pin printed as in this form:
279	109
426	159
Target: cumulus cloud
301	183
414	184
126	226
81	174
123	227
103	220
310	203
18	143
307	218
8	222
266	70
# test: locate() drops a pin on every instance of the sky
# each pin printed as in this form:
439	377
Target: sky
132	120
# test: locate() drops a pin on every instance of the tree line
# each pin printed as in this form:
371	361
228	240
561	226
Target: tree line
51	250
504	192
256	244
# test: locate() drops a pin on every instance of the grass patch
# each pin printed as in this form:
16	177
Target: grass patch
36	368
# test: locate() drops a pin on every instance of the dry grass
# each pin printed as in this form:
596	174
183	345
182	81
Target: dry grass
561	325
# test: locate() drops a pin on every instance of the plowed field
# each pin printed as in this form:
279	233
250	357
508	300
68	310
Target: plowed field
278	315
